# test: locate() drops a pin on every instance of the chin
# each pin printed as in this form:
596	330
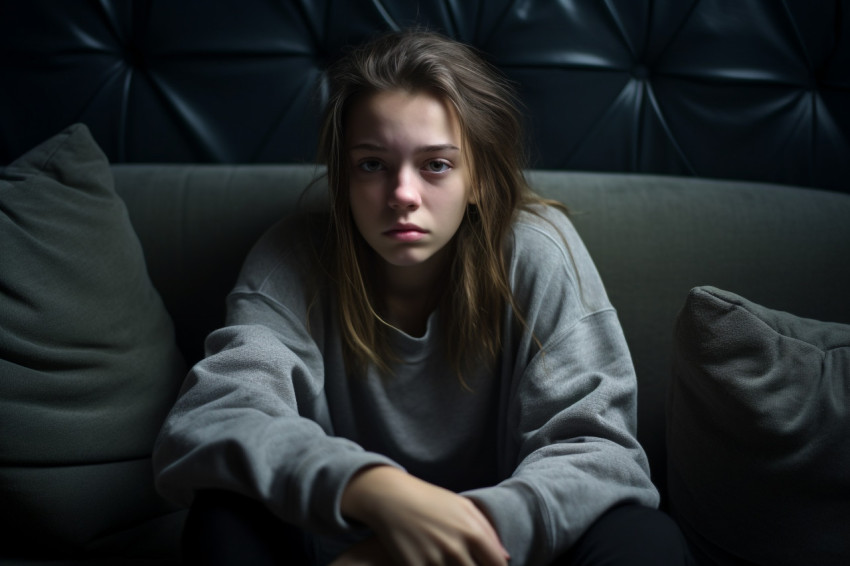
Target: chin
405	261
408	258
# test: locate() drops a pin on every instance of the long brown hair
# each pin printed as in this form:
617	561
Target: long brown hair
492	136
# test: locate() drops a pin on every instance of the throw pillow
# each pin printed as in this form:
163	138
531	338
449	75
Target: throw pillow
88	361
759	433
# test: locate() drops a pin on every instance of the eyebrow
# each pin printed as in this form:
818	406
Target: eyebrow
422	149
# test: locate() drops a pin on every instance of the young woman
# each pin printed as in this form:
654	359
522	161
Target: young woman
433	376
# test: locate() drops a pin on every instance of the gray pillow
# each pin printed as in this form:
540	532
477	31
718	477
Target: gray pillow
759	433
88	361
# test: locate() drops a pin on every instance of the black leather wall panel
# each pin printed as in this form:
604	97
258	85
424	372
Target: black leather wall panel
745	89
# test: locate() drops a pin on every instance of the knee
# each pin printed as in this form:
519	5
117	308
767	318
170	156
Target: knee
225	528
633	535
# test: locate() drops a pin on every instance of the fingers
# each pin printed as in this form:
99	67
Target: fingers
420	523
483	550
493	551
454	531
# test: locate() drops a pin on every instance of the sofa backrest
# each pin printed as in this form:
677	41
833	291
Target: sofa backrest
652	238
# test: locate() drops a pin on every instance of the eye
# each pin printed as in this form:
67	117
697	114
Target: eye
437	166
370	165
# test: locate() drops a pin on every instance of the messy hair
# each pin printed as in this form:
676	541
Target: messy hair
492	140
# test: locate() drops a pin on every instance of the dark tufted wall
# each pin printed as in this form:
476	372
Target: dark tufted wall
745	89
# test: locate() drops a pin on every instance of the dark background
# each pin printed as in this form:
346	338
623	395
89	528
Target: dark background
737	89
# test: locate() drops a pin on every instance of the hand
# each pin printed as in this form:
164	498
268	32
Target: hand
420	523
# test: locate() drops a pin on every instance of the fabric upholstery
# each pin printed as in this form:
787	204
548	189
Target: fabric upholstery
88	363
758	433
753	90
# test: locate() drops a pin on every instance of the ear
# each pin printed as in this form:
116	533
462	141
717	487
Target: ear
472	194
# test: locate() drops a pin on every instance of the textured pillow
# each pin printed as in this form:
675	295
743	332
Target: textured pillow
88	362
759	433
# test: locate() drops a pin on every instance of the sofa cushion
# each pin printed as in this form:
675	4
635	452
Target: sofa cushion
759	433
88	362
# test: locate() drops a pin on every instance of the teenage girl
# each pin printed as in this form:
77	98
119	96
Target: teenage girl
432	375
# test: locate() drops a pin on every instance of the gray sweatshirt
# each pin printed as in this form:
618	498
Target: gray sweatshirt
544	444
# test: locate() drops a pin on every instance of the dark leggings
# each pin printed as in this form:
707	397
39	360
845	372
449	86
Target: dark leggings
225	528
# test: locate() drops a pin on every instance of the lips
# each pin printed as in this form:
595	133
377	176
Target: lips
406	232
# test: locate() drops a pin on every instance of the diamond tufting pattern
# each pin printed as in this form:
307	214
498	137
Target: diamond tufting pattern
755	89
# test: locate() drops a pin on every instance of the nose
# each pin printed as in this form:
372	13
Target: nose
404	192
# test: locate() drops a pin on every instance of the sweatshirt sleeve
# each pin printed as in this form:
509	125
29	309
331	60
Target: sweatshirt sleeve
239	422
570	402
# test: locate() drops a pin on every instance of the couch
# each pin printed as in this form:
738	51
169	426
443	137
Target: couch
713	197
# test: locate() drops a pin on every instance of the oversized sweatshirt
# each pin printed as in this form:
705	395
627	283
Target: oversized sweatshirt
544	441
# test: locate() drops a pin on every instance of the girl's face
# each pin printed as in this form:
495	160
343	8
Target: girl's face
409	181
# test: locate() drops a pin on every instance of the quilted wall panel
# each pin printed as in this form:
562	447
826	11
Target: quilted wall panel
743	89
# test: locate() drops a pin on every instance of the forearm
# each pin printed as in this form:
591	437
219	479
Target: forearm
289	465
360	500
236	426
540	513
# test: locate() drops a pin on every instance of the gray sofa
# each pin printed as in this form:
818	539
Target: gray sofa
78	497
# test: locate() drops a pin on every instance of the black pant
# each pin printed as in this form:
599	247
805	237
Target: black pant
225	528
